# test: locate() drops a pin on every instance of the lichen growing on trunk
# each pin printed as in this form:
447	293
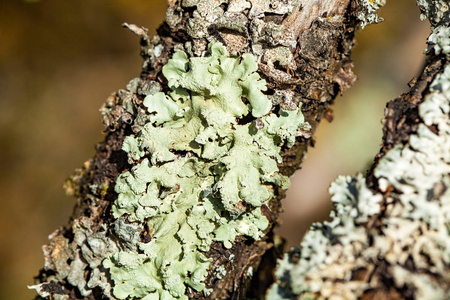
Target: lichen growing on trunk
389	241
181	198
215	189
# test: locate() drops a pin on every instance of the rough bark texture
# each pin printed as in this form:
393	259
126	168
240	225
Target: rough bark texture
303	52
302	49
388	238
401	116
395	251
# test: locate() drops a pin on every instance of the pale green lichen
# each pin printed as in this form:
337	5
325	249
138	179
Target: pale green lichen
201	176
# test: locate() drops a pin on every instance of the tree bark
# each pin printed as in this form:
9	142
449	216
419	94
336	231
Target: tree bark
388	238
302	50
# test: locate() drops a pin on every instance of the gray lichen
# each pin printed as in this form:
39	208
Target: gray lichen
415	223
437	11
433	10
330	250
68	260
367	12
413	242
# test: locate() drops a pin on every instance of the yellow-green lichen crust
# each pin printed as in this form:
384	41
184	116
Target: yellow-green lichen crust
199	176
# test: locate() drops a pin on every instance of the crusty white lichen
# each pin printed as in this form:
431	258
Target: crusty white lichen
329	250
433	10
367	11
437	12
413	242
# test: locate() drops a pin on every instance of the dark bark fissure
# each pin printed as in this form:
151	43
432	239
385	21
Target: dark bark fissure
400	122
401	114
319	70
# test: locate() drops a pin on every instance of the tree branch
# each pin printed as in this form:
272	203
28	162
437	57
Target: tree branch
388	238
181	198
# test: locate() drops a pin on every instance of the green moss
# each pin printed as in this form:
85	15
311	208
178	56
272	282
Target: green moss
214	190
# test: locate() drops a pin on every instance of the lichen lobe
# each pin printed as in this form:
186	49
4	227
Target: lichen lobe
215	191
390	241
409	247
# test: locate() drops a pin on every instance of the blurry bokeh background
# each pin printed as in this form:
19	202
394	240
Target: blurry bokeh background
59	61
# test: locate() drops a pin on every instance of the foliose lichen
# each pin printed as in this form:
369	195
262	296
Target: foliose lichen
433	10
338	258
367	12
324	246
438	13
204	160
89	249
414	241
200	175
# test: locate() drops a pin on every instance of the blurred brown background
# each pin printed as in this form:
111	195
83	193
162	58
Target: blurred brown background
59	61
